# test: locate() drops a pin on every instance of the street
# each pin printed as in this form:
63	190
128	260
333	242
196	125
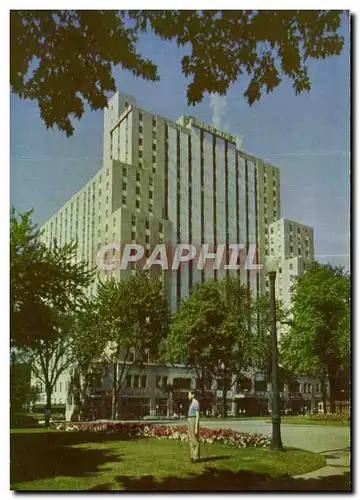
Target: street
316	438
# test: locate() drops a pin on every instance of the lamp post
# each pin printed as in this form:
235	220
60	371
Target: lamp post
224	392
271	267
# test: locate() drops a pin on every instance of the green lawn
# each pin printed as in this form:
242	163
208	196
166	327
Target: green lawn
309	421
65	461
286	420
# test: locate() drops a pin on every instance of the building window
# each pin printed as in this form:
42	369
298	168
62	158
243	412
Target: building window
107	185
151	195
272	230
154	122
124	172
147	238
124	186
290	266
137	189
133	235
151	182
140	141
140	130
133	220
128	381
140	154
99	192
99	233
106	227
160	227
154	147
124	200
140	116
114	222
136	381
147	223
137	204
138	176
299	251
154	159
154	134
107	199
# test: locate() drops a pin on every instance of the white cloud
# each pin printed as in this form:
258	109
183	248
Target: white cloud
218	104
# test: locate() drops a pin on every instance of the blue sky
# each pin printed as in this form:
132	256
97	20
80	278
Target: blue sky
306	136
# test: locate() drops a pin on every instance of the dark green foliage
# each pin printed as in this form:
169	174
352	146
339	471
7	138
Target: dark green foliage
64	59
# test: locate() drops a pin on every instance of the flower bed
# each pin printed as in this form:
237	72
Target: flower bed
176	432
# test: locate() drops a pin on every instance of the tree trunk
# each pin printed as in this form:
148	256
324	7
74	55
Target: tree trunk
114	398
48	407
332	392
323	392
224	403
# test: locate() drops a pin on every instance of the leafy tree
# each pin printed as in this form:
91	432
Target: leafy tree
29	276
47	287
318	341
63	59
22	394
122	326
210	333
40	279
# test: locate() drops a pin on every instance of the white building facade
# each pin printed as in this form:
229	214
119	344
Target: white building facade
171	182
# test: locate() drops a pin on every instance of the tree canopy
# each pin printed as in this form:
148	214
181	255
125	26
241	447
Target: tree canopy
319	338
64	59
122	326
44	283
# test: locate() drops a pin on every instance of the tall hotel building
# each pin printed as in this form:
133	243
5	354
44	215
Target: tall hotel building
171	182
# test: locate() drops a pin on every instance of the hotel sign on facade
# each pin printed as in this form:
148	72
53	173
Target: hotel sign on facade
189	120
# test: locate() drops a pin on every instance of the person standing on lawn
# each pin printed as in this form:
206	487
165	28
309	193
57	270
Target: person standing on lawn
193	426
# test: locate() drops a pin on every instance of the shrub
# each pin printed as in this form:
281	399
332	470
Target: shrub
22	420
175	432
329	416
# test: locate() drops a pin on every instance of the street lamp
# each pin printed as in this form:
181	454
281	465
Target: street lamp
271	266
224	393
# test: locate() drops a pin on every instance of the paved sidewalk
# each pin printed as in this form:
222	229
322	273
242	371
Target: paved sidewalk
337	462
